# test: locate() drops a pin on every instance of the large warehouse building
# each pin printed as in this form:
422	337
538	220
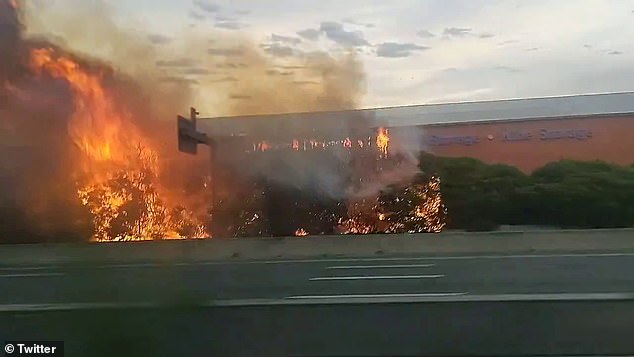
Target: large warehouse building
275	173
526	133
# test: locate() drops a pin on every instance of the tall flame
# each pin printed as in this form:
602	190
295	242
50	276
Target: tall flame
383	141
118	170
97	127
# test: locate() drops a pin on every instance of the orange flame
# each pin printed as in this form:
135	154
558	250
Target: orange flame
99	129
118	170
383	141
301	232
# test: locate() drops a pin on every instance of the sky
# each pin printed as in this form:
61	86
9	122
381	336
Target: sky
427	51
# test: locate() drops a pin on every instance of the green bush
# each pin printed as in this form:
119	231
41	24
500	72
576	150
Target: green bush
566	194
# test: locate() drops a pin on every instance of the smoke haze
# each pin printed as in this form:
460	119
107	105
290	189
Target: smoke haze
221	74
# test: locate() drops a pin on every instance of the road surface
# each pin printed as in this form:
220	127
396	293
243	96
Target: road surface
456	305
331	279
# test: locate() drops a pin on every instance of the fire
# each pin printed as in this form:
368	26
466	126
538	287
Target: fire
118	171
430	210
261	146
98	128
355	226
418	208
301	232
383	141
312	144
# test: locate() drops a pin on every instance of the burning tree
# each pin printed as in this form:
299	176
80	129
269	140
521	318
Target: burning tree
414	208
127	205
116	169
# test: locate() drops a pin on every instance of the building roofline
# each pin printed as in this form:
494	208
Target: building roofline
532	119
428	105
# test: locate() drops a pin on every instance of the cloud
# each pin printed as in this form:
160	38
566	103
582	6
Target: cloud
222	18
291	67
285	39
279	50
507	42
227	52
306	82
425	34
587	46
615	52
158	39
239	96
206	6
456	32
507	69
197	71
532	49
274	72
335	32
461	32
231	65
309	34
196	16
230	25
243	12
358	23
224	79
397	50
179	62
174	79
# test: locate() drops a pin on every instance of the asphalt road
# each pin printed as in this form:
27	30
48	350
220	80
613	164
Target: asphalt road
332	279
449	306
556	328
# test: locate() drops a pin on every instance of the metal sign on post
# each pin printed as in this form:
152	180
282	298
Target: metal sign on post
188	136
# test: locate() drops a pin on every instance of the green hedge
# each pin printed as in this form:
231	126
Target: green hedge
566	194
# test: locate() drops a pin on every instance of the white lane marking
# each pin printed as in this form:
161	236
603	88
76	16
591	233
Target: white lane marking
428	258
29	275
132	265
373	296
74	306
338	300
462	297
381	266
339	260
27	268
372	277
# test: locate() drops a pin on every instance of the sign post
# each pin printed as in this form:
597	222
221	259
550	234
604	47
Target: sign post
188	136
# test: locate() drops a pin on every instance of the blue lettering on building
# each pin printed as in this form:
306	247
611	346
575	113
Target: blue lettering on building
575	134
517	136
512	136
466	140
